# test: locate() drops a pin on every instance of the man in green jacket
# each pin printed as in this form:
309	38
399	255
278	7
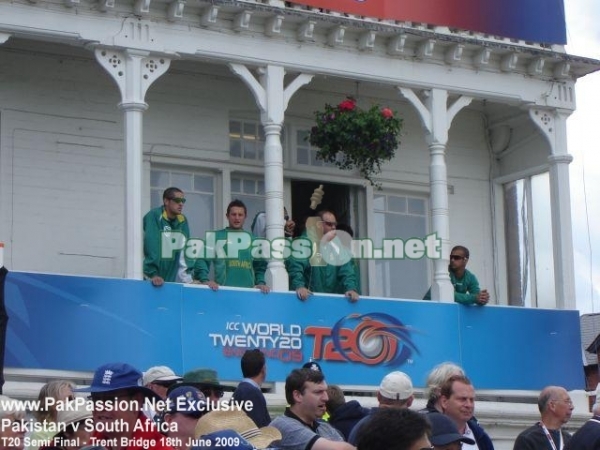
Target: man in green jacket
165	219
466	286
316	274
243	271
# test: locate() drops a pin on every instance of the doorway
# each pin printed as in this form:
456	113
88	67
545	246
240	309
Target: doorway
336	199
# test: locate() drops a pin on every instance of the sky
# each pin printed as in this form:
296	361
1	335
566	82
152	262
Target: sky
583	39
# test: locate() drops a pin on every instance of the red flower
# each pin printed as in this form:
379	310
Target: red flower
387	113
347	105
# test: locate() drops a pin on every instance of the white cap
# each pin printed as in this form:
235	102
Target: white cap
396	386
159	373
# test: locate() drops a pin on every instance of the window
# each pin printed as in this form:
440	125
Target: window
305	153
402	217
529	257
199	190
252	192
246	140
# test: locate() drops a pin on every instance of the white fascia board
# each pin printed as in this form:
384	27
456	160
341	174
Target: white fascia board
257	49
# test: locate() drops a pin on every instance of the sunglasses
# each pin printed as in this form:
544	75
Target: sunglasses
178	200
456	257
329	224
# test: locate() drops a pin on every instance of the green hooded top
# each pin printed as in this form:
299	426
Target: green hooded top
466	289
155	222
243	271
318	276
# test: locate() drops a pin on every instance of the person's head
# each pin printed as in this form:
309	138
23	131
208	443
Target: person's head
207	381
118	396
437	376
555	406
12	433
459	257
395	429
253	363
336	398
173	201
76	418
395	390
159	379
327	221
185	405
444	434
236	214
457	398
58	390
306	392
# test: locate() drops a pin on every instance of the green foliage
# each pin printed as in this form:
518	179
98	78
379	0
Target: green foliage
354	138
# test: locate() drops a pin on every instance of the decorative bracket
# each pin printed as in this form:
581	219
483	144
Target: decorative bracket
367	40
209	17
306	31
175	10
336	36
397	44
134	71
273	25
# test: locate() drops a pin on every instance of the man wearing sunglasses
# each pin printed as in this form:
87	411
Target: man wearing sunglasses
165	219
466	286
318	274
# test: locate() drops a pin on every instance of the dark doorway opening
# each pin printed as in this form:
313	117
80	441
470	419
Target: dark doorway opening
336	199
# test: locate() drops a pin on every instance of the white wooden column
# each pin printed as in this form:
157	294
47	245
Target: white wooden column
272	98
553	124
436	119
134	71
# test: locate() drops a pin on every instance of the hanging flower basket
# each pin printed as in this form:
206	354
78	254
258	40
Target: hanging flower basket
354	138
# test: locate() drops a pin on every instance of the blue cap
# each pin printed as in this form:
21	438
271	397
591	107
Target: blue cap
223	440
312	366
116	376
186	400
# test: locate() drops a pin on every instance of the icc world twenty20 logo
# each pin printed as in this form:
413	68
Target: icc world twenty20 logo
373	338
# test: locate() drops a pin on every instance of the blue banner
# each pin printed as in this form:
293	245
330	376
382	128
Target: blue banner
79	323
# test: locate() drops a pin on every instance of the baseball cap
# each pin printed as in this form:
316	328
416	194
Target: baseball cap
186	400
115	376
444	430
312	366
396	386
159	373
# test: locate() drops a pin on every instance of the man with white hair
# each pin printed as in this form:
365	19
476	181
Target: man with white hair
395	391
556	408
435	379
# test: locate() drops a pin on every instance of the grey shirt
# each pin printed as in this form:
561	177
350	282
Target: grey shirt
298	435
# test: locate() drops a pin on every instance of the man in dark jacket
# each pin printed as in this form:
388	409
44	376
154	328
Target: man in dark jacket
343	415
254	370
